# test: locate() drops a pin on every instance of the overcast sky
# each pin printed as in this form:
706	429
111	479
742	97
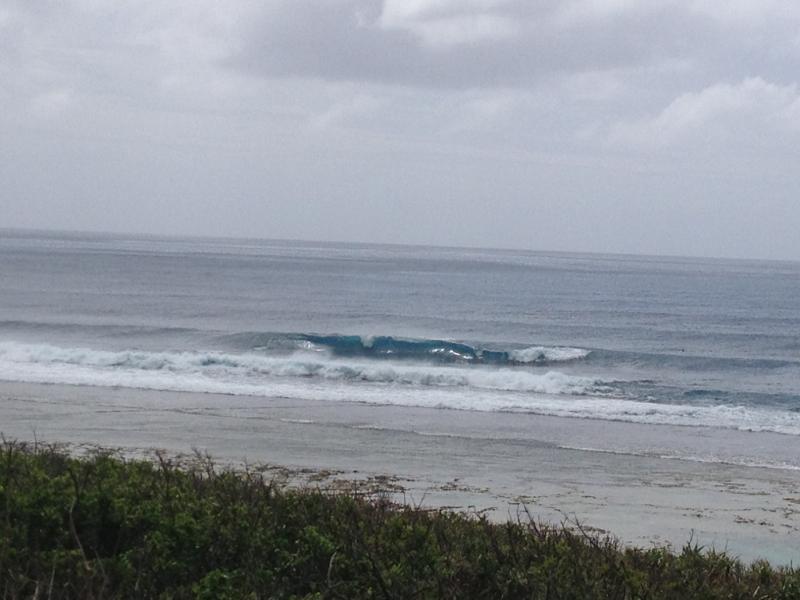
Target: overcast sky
659	127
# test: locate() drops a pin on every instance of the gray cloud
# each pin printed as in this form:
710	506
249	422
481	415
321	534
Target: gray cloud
513	46
611	125
514	43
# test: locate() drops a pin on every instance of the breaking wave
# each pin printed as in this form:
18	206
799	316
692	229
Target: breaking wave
238	368
312	375
428	350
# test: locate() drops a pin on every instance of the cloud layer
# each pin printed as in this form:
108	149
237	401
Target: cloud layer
606	125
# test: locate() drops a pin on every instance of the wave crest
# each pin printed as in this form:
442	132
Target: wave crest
545	354
425	350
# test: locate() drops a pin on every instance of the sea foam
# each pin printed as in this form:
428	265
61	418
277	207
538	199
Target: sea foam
311	376
221	366
548	354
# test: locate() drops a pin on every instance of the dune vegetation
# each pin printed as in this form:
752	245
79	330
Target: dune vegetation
103	526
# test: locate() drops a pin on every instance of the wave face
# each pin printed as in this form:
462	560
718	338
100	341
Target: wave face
324	375
426	350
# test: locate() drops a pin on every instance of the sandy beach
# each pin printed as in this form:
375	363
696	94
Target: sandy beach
501	464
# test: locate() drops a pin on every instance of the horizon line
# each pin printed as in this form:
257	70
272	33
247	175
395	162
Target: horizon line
233	238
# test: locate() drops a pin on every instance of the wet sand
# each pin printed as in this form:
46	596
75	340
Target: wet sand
499	464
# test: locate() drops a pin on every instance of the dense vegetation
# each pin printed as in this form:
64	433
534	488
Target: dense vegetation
104	527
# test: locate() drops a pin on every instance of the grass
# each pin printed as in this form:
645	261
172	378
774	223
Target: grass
101	526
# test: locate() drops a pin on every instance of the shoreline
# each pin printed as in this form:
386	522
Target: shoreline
643	500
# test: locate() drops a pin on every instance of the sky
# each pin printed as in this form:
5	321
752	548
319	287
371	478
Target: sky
652	127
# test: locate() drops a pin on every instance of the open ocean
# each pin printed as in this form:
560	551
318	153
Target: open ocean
699	350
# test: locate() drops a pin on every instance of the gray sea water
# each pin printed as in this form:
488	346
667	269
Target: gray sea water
700	356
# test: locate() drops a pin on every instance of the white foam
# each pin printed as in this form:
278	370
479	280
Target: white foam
244	367
320	378
548	354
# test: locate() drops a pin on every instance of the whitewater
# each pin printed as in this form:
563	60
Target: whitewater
320	376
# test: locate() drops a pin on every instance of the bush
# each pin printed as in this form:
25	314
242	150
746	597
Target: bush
105	527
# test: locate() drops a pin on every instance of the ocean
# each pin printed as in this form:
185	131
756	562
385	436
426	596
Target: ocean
702	355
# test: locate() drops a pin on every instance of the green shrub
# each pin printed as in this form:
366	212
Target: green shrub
105	527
